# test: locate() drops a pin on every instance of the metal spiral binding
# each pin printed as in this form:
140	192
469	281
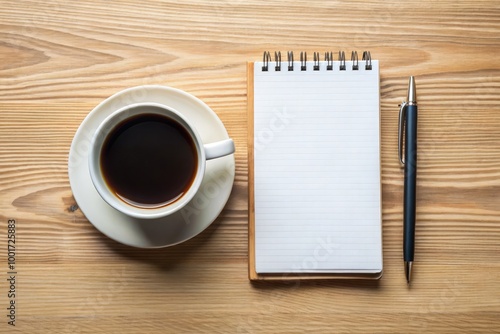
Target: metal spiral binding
303	61
266	59
329	61
277	59
316	61
354	59
368	57
342	60
290	60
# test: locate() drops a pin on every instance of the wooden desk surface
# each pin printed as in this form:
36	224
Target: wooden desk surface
60	59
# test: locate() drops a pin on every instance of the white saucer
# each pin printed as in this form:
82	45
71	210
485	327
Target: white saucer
182	225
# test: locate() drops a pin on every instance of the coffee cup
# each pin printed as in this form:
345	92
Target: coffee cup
148	161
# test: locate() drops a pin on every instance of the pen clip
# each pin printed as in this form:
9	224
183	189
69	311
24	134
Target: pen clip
402	122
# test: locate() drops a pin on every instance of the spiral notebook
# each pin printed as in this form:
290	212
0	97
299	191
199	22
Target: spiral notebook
314	176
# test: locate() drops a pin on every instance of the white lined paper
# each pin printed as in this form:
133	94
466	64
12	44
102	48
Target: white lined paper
317	169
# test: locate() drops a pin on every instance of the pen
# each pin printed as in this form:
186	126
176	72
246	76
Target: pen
408	115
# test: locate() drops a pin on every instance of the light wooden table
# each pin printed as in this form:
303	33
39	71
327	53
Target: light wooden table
59	59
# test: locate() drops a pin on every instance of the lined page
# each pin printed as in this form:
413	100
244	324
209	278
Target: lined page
317	170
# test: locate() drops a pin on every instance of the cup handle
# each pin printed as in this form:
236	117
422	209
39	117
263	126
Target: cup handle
219	149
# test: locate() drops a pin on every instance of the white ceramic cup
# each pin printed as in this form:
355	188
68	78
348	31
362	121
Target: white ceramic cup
204	152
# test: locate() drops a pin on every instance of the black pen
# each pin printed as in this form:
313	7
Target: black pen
408	115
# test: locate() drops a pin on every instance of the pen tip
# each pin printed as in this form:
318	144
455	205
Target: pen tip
408	266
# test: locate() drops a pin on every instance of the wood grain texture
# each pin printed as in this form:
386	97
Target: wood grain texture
61	59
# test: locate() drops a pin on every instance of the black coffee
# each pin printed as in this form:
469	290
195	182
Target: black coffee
149	160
